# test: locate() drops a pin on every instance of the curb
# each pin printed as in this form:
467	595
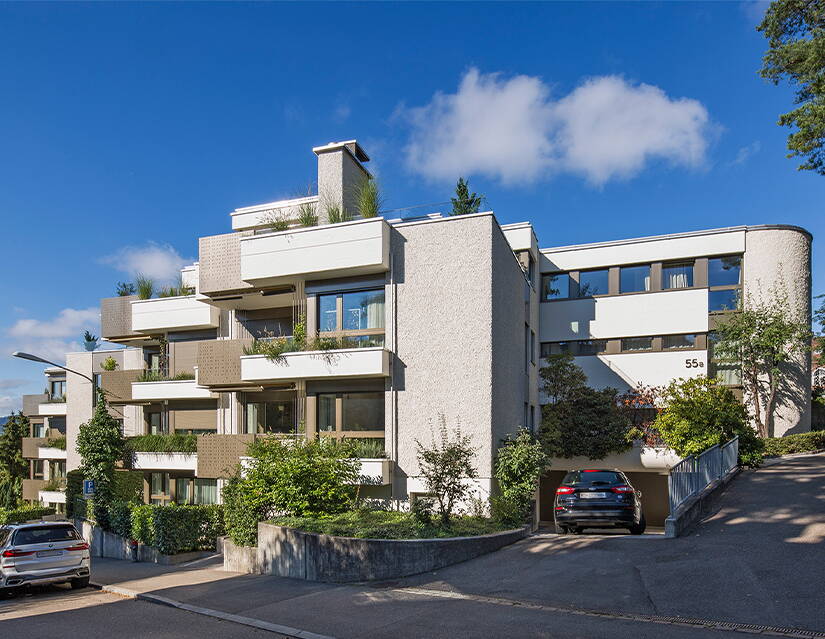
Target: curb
772	461
208	612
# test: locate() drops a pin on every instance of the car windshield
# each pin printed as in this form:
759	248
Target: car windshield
592	478
44	535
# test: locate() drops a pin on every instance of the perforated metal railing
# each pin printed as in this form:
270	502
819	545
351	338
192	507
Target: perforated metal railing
694	473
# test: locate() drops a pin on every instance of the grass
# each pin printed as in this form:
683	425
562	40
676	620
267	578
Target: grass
158	376
798	443
367	447
145	287
384	524
368	198
171	443
307	214
56	442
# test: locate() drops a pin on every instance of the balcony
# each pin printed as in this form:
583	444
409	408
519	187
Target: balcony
165	461
38	448
52	409
32	488
169	389
118	385
51	497
347	362
333	250
116	317
173	314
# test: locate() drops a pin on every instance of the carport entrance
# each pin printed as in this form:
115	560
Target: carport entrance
653	486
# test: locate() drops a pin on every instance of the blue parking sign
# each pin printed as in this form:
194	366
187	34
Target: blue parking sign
88	488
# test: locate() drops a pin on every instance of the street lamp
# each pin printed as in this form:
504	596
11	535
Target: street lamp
35	358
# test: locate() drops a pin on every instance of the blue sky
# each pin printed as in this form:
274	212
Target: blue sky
128	130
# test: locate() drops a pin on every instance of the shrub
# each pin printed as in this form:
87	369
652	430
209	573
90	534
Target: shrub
507	511
446	465
57	442
368	198
519	464
120	519
699	413
145	287
124	289
798	443
109	364
74	490
307	214
23	514
171	529
291	478
171	443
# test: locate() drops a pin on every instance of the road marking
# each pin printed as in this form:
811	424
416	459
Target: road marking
707	624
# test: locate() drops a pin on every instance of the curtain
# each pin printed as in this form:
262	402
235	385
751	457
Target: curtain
375	311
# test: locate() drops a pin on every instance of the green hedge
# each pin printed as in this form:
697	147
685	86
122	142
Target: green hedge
23	514
128	488
171	529
172	443
799	443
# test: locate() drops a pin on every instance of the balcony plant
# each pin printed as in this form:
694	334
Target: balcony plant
90	341
368	198
162	443
152	375
56	442
109	364
145	286
124	289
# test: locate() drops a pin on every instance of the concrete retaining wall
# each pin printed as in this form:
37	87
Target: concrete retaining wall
107	544
690	512
286	552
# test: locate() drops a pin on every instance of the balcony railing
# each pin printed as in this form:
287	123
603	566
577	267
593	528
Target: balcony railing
329	364
173	313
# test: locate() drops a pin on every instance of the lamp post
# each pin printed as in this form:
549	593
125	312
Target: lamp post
40	360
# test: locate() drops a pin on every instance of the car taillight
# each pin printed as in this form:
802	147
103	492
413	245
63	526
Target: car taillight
565	490
622	489
17	553
83	546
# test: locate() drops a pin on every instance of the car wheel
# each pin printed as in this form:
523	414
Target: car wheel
6	592
82	582
638	529
560	529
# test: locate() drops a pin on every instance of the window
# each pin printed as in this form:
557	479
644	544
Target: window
672	342
38	429
554	348
57	388
38	468
45	535
634	279
182	490
206	491
593	283
726	299
275	415
725	271
592	346
353	315
637	343
677	275
555	286
592	478
532	347
157	423
159	487
343	413
57	470
819	377
97	382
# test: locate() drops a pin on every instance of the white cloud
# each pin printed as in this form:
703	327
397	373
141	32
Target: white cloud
511	129
69	322
746	153
160	262
10	404
10	384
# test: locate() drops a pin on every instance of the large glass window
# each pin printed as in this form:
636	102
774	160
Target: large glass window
157	423
634	279
555	286
182	490
326	413
593	283
159	484
725	271
554	348
275	415
57	389
363	310
362	411
677	275
38	429
637	343
38	468
327	313
726	299
592	346
206	491
673	342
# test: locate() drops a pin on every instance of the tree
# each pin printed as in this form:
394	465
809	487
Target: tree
641	405
819	341
101	446
465	202
519	465
13	468
699	413
795	30
446	465
764	342
579	420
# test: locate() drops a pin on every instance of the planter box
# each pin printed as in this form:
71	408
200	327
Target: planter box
165	461
375	472
52	497
173	313
52	409
173	389
353	248
286	552
347	362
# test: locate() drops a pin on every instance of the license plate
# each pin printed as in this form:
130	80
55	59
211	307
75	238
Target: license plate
592	495
49	553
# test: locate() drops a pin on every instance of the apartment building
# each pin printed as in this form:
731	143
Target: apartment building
45	447
433	317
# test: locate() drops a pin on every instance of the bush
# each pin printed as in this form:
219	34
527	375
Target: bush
699	413
171	443
799	443
507	511
23	514
74	493
287	477
519	464
171	529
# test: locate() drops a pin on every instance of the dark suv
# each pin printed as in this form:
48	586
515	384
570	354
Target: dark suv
597	498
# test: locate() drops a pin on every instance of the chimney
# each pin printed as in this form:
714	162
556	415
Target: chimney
340	173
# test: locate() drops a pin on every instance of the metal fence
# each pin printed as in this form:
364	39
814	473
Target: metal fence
694	473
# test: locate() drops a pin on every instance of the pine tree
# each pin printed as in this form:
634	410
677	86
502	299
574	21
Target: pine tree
464	202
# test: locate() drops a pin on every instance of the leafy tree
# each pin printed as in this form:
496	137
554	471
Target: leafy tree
641	404
699	413
13	468
764	341
579	420
101	446
795	30
519	465
465	202
446	465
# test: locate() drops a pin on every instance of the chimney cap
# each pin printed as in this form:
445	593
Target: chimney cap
351	145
